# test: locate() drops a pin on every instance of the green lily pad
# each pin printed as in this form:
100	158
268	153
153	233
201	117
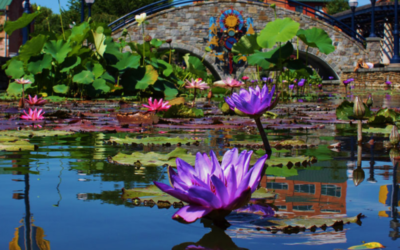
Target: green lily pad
153	159
290	161
183	111
263	193
8	144
384	116
273	144
32	133
305	222
151	140
149	193
385	130
345	110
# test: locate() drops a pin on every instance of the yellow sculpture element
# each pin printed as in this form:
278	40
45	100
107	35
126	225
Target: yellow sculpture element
250	30
36	239
214	41
243	58
231	21
213	29
220	56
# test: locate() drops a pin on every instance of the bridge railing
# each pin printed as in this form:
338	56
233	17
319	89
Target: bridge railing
306	9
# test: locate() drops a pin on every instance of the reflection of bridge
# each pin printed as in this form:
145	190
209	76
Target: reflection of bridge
187	24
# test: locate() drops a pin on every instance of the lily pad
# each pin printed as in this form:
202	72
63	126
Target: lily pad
384	116
153	159
149	193
151	140
305	222
290	161
32	133
9	144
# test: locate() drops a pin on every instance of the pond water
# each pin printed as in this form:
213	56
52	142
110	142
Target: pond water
71	196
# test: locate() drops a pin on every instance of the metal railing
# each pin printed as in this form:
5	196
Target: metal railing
306	9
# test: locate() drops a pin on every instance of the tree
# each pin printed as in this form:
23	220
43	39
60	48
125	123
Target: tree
337	6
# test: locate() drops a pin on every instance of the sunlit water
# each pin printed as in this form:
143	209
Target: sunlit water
73	196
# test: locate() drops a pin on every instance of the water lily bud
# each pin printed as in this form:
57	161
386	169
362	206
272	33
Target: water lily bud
358	176
370	101
169	41
394	137
210	94
148	38
358	109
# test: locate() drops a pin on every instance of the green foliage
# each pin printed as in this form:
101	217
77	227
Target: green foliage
182	111
345	111
280	30
317	38
384	116
23	21
337	6
85	60
246	45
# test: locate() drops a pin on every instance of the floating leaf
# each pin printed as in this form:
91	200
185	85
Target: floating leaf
384	116
15	145
345	110
153	159
33	133
369	245
182	111
151	140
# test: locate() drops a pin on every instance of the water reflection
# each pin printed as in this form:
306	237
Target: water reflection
217	239
310	192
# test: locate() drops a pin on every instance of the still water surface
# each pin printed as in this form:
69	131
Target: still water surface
73	197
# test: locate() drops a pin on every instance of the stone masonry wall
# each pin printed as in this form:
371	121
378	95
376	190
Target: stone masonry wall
188	25
374	78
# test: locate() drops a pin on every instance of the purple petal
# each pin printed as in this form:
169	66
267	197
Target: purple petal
202	166
231	184
191	213
256	175
185	171
243	166
240	200
230	157
206	195
173	192
221	191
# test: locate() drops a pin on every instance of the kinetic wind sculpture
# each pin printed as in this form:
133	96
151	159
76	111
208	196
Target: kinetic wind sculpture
225	32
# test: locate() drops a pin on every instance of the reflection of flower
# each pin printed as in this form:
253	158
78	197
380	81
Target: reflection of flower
35	101
33	115
140	18
213	189
157	105
254	102
265	211
196	84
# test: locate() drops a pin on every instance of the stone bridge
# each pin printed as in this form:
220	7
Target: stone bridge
188	25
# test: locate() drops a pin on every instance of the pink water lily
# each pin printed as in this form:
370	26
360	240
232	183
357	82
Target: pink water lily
157	105
23	81
229	83
196	84
35	101
213	189
33	115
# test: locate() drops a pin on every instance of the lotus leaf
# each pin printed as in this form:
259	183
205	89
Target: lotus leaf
15	89
151	140
317	38
263	193
23	21
151	192
279	30
345	110
61	89
153	159
100	84
384	116
57	49
386	130
84	77
38	63
79	33
128	61
15	145
149	78
182	111
15	69
195	66
246	45
167	68
31	48
289	161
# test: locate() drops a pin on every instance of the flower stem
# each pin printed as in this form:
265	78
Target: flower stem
359	131
264	138
144	46
194	98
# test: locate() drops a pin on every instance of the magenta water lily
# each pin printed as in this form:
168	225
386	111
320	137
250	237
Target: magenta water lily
213	189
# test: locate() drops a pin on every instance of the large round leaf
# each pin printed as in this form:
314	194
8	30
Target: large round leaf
70	63
61	89
15	69
79	33
195	66
57	49
11	26
317	38
85	77
98	70
15	89
38	63
258	59
149	78
100	84
127	61
32	47
246	45
167	68
280	30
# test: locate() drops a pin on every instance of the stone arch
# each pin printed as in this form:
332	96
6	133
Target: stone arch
188	26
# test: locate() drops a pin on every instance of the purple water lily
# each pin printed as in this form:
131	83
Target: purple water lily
345	82
301	82
265	79
331	78
350	80
254	102
291	86
320	86
388	82
295	81
213	189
